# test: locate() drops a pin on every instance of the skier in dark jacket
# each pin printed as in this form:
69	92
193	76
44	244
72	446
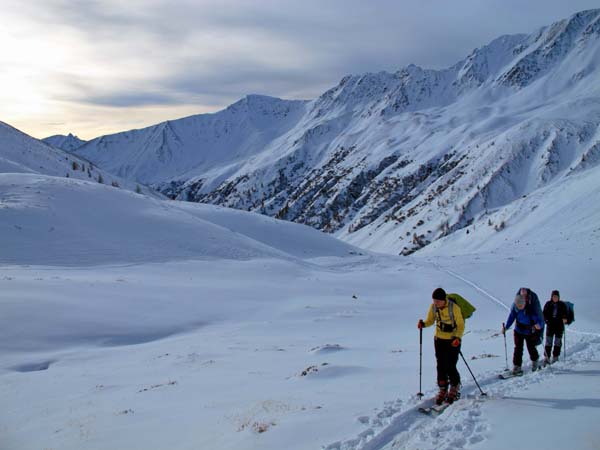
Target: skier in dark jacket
555	316
527	325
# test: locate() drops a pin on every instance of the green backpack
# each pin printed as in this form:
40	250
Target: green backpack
466	308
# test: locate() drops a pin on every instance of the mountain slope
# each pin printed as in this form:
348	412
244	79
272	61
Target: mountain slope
390	161
20	153
562	216
175	149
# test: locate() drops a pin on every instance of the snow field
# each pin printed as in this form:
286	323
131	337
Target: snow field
221	365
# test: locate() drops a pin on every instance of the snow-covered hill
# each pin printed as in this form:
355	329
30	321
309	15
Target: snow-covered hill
20	153
391	161
201	328
60	221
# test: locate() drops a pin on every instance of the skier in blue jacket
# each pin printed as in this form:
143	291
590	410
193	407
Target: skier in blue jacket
528	324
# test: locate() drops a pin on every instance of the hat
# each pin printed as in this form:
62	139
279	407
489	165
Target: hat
439	294
519	300
555	292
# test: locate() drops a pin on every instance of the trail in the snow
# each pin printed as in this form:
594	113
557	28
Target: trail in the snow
401	426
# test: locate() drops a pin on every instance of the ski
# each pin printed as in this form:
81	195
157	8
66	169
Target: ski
507	375
434	410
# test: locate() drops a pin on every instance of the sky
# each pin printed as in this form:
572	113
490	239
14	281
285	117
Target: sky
98	67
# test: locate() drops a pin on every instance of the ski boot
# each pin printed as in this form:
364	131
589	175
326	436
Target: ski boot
535	365
453	394
517	370
441	397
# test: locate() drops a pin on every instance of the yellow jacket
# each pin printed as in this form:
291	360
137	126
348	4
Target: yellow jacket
444	315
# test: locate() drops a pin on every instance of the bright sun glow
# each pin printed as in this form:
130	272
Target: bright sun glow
46	81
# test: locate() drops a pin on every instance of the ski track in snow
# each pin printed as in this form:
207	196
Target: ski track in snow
400	425
475	286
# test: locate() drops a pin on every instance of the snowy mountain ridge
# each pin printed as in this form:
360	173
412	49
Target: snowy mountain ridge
170	149
390	161
20	153
68	143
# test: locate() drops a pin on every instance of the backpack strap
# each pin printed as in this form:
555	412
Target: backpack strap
450	311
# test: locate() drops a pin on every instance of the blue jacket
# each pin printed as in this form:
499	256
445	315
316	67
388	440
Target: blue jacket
525	319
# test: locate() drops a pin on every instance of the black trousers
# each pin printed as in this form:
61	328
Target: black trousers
554	334
447	358
520	339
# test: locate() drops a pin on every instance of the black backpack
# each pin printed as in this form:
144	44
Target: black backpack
570	312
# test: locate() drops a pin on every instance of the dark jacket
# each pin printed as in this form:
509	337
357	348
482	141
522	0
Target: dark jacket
554	313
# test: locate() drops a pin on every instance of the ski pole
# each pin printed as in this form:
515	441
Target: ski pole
565	352
420	393
505	351
474	379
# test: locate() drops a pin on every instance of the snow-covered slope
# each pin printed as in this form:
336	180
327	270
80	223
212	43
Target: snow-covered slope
60	221
563	216
298	240
391	161
20	153
67	143
271	352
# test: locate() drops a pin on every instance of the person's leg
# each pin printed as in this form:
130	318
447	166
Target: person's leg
518	352
532	349
557	344
454	375
549	339
441	355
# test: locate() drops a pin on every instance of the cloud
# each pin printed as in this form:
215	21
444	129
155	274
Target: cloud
110	54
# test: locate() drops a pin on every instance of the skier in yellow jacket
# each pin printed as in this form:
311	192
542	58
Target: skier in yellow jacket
449	330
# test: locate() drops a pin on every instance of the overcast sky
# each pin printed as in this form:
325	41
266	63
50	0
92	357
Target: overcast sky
97	67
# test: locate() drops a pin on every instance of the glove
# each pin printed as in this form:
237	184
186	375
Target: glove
421	324
455	342
503	329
